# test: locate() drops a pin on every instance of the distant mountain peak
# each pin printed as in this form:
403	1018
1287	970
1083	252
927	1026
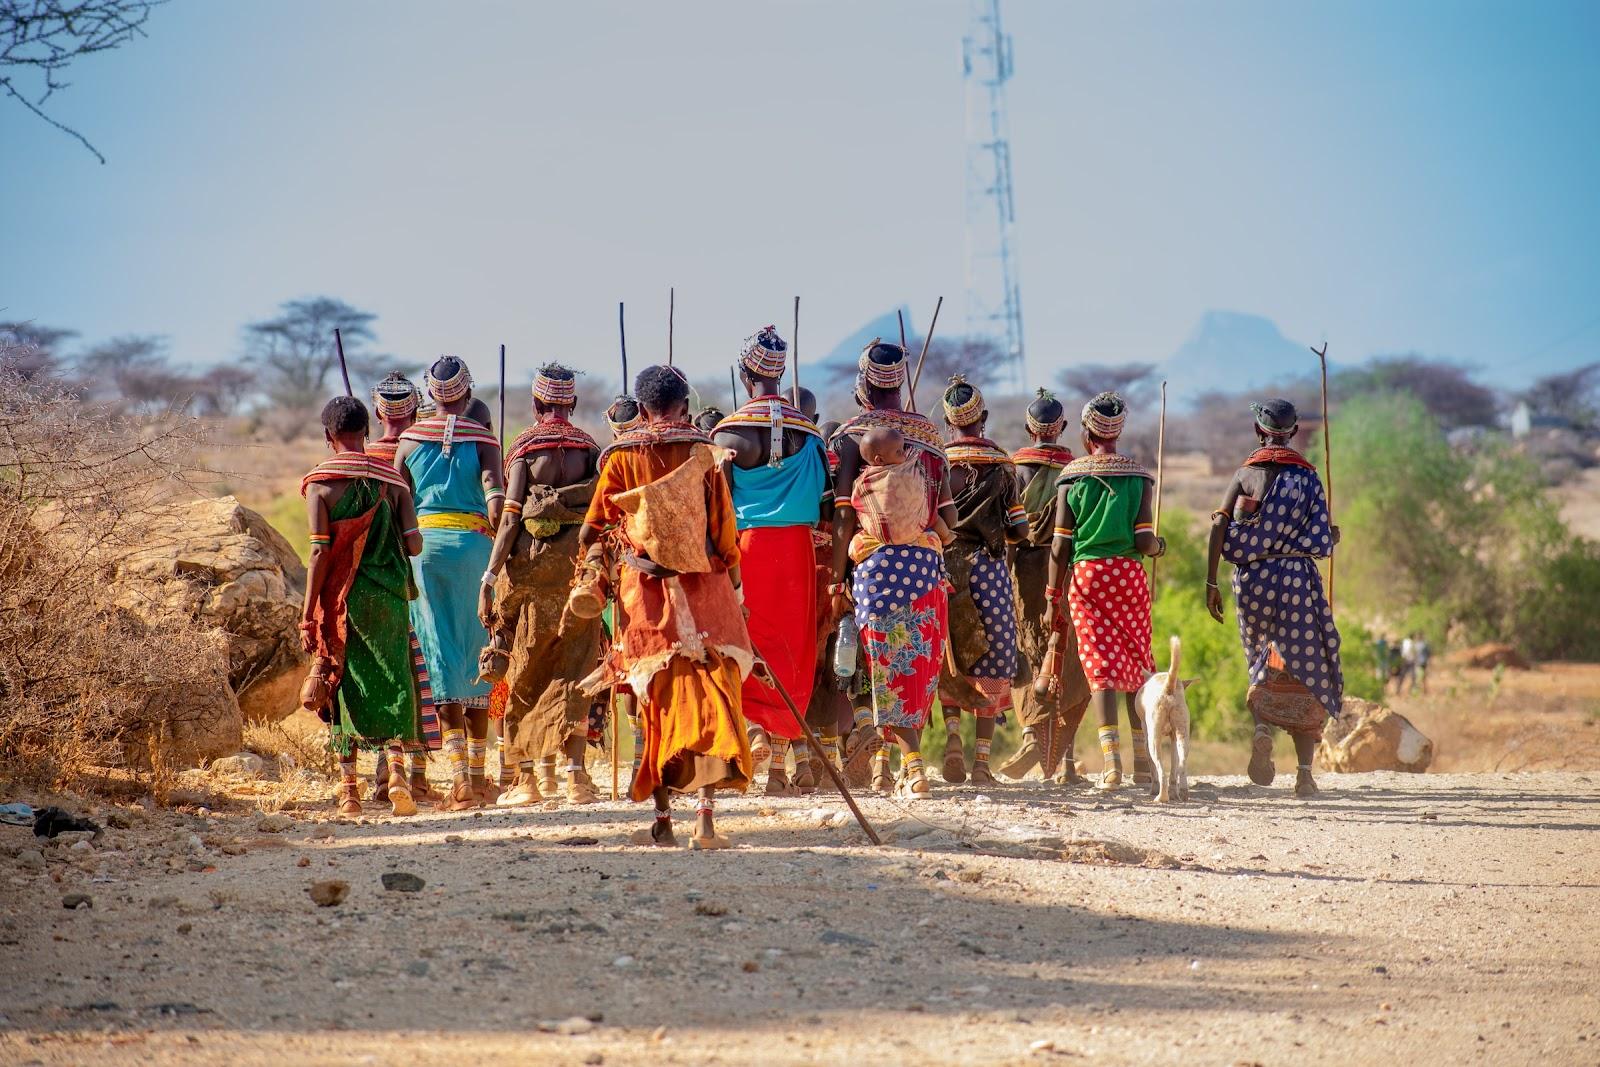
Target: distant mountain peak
1231	350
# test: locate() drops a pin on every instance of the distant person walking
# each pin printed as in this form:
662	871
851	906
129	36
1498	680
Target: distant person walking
1420	654
1407	678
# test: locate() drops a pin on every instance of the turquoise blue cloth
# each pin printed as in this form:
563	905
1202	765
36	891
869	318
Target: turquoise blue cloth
789	494
445	613
449	571
452	483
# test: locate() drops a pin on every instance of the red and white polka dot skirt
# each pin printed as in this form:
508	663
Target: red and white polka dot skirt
1109	601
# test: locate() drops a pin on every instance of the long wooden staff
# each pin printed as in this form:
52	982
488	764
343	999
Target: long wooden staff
1327	458
622	335
816	746
733	385
922	358
615	740
502	400
344	369
794	351
1161	458
901	315
672	311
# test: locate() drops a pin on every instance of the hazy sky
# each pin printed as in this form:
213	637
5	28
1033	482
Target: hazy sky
1392	176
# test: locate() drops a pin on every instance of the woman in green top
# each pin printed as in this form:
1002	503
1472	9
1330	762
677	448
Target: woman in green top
1103	531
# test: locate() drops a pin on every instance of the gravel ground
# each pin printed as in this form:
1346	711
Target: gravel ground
1438	919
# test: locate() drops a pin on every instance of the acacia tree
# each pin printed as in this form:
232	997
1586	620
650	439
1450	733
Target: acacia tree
39	39
32	349
296	354
1134	381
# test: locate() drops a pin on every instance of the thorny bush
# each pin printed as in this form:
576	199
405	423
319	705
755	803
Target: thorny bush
85	682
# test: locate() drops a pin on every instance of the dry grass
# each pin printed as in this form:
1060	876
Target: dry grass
84	682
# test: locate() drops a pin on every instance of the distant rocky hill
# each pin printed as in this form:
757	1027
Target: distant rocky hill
1231	350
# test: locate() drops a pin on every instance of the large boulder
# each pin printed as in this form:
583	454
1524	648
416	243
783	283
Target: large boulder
1371	737
224	565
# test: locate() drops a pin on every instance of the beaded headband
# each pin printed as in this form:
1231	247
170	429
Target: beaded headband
557	391
1046	429
883	375
395	397
1106	427
621	425
765	354
448	390
962	414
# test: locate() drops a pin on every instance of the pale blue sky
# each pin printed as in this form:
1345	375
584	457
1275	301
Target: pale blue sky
1393	176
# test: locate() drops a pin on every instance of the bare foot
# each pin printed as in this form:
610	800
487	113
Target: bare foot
705	837
1304	785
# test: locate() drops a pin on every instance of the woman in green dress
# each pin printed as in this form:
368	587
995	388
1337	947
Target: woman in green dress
355	623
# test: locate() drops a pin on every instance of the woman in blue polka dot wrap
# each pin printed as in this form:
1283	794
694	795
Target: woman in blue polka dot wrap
1273	526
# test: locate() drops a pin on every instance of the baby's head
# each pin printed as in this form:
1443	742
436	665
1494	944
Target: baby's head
883	447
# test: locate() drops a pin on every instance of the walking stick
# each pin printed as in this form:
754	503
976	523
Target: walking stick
616	737
794	351
672	310
1161	457
917	376
502	400
733	386
816	746
901	315
622	335
344	369
1327	459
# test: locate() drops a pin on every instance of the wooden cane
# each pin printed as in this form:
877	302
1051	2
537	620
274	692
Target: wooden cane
1327	459
733	385
611	702
816	746
922	358
502	400
1161	457
794	351
344	369
672	311
622	336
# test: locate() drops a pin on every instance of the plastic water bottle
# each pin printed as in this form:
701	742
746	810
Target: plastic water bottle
844	650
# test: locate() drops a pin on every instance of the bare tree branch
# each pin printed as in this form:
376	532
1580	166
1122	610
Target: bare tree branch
41	38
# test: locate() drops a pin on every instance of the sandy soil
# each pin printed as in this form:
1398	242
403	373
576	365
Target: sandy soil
1444	919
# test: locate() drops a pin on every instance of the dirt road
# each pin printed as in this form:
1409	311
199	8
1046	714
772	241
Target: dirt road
1441	919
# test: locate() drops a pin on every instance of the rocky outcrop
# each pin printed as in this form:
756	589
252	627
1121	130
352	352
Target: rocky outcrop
223	565
1371	737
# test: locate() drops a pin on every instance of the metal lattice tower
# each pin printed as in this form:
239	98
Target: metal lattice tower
994	299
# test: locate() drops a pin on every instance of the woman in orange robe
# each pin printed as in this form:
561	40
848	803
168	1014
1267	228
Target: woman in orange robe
680	640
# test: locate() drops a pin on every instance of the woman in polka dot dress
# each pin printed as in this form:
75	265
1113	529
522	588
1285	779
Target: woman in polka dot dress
1103	530
983	611
1273	526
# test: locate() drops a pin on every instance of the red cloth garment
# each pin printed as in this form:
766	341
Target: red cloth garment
329	619
1110	604
780	576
